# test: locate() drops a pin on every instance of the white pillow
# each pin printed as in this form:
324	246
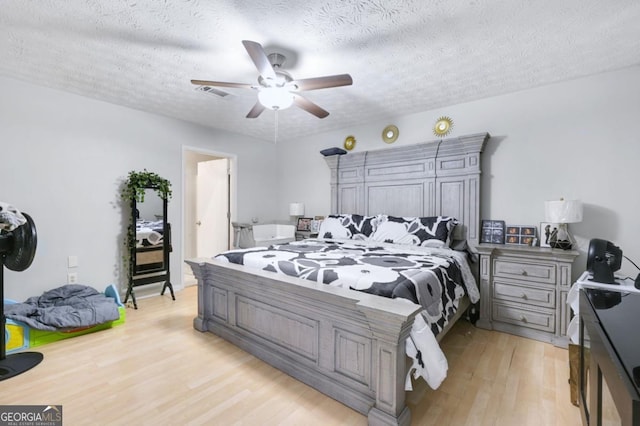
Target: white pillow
432	232
332	228
433	243
394	232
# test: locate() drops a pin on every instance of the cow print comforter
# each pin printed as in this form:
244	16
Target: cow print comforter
434	278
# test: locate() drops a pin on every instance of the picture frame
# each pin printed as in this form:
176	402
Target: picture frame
304	224
524	235
547	231
315	225
492	232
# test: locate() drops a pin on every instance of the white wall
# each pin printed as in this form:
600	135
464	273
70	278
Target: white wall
63	158
578	139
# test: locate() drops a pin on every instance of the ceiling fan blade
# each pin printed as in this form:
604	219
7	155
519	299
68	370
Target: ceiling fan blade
221	84
309	106
324	82
256	110
259	58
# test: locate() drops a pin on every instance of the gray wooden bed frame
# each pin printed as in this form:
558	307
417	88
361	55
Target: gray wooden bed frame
348	345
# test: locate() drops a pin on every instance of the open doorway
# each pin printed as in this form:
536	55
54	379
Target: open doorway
207	205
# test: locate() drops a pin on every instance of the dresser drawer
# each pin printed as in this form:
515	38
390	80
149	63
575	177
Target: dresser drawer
544	297
521	316
516	269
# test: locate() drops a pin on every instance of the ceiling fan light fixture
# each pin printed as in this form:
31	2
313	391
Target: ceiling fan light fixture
276	88
279	81
275	98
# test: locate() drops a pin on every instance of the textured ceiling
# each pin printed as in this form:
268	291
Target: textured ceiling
404	56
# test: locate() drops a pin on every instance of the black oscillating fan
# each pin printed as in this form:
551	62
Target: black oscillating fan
603	259
17	249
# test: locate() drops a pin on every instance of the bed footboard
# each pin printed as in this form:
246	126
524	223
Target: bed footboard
346	344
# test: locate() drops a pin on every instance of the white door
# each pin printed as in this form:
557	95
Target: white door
212	207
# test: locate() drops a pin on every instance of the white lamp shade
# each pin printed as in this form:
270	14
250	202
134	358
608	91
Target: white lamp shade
275	97
563	211
296	209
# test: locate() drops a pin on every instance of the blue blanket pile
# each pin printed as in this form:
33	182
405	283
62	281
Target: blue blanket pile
63	308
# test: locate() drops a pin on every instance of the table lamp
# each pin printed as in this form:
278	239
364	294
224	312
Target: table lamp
296	210
562	212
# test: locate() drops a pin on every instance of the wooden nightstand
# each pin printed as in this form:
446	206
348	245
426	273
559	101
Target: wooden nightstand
523	291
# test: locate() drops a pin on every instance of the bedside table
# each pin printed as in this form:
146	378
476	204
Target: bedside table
302	235
523	291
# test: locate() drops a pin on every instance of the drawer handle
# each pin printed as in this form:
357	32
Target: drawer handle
524	296
523	318
524	273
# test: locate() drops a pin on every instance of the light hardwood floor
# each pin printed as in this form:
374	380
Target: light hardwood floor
157	370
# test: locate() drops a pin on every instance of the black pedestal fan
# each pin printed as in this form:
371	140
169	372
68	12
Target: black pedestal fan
17	249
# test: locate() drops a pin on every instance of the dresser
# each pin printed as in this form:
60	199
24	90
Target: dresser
523	291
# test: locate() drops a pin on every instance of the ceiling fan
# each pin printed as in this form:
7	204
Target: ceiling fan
276	88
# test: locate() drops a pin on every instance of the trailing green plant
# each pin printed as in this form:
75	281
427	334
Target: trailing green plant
134	189
137	182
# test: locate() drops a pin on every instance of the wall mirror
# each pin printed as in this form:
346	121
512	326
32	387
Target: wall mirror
151	209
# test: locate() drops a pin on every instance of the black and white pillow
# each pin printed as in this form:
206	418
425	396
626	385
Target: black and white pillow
332	227
434	231
353	226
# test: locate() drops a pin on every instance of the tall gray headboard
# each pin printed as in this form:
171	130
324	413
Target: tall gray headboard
434	178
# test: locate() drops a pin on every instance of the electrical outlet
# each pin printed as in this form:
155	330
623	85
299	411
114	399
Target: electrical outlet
72	278
72	262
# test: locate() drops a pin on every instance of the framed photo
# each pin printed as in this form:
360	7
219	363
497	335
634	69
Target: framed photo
315	225
512	239
524	235
548	232
304	224
492	232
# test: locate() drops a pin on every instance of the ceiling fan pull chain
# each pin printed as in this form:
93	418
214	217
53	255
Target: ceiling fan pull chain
275	136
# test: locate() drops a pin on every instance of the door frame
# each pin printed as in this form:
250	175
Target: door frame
233	160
